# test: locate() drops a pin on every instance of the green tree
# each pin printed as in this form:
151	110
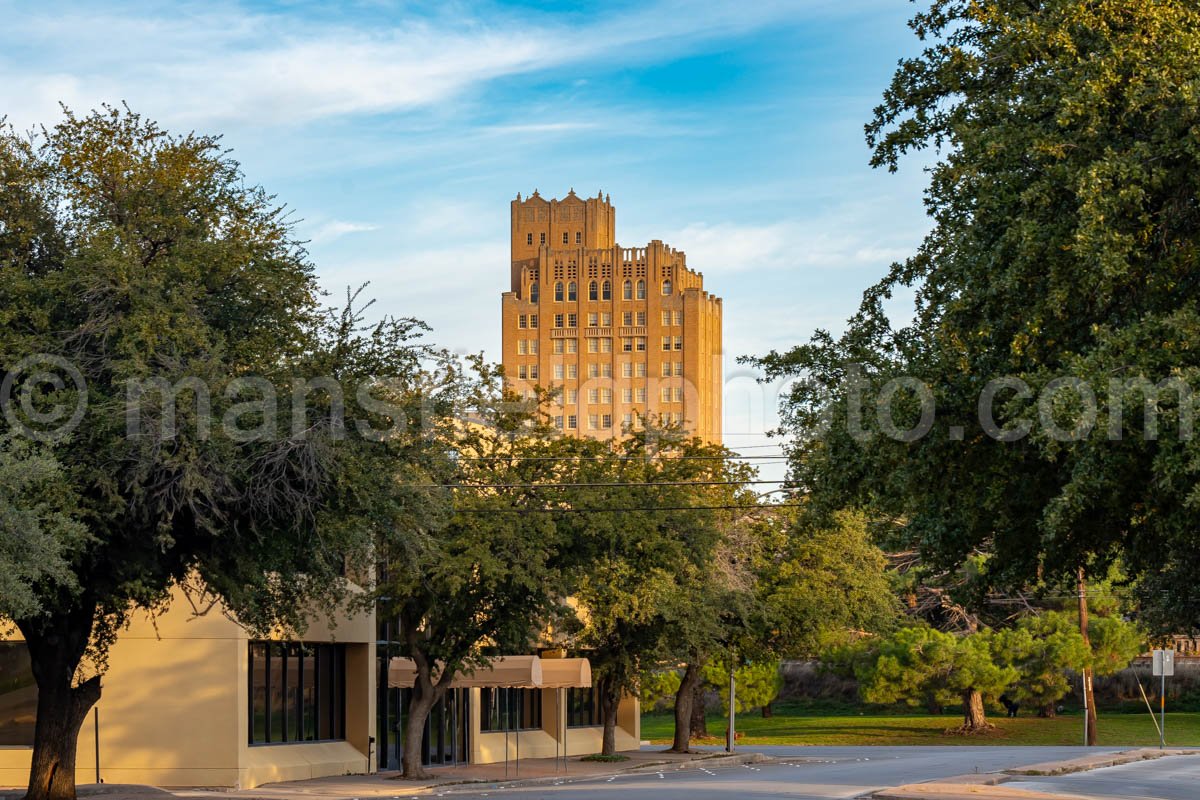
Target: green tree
656	688
757	683
145	267
39	527
795	585
920	665
1115	643
650	591
1063	246
1042	649
490	575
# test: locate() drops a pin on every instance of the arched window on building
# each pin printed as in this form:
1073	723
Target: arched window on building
641	290
606	291
534	294
627	292
558	292
593	291
572	292
666	287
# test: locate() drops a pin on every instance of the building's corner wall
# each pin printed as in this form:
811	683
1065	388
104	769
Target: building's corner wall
174	708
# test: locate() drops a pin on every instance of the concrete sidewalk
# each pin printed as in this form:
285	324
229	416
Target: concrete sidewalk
529	772
990	786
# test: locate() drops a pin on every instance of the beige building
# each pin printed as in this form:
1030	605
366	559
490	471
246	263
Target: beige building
192	701
508	711
620	332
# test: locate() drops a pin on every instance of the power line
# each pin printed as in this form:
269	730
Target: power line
756	447
769	507
583	485
647	457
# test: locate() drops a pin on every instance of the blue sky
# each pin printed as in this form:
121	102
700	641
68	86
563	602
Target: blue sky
398	132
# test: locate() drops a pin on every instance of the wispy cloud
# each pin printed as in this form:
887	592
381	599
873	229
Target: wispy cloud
225	65
336	229
822	242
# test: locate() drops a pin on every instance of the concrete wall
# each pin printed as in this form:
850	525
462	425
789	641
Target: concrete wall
175	708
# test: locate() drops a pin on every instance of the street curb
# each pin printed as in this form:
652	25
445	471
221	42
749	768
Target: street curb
977	786
1088	763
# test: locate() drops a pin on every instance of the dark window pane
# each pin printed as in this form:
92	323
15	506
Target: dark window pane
295	723
296	692
582	708
339	692
258	693
18	695
325	692
308	694
276	676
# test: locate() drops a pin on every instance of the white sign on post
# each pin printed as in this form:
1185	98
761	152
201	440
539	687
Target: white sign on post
1163	668
1164	663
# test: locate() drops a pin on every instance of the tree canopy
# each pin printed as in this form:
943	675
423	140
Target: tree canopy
1057	292
197	408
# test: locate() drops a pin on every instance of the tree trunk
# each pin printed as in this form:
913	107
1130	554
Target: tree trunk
1089	698
425	694
56	645
1048	711
767	711
699	723
974	716
610	698
414	732
685	697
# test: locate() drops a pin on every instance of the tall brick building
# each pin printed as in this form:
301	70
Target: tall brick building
622	332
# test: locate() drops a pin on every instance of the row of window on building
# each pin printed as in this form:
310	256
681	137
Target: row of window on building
600	370
521	709
604	319
296	692
569	292
602	422
566	237
629	394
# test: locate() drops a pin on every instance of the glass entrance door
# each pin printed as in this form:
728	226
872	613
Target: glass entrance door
446	730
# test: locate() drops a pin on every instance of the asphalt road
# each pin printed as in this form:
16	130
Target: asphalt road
1172	778
804	772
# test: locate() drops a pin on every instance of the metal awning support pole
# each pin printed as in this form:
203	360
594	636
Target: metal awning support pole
732	736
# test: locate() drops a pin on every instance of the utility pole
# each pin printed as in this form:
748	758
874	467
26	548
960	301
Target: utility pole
1089	699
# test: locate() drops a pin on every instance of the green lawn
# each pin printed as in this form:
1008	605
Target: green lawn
802	726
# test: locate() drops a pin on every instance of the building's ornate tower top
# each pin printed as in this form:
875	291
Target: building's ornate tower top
560	224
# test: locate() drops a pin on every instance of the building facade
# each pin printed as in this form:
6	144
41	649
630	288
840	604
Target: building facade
192	700
621	333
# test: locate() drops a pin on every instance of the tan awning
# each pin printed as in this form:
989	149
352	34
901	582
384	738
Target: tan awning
402	673
566	673
514	672
517	672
